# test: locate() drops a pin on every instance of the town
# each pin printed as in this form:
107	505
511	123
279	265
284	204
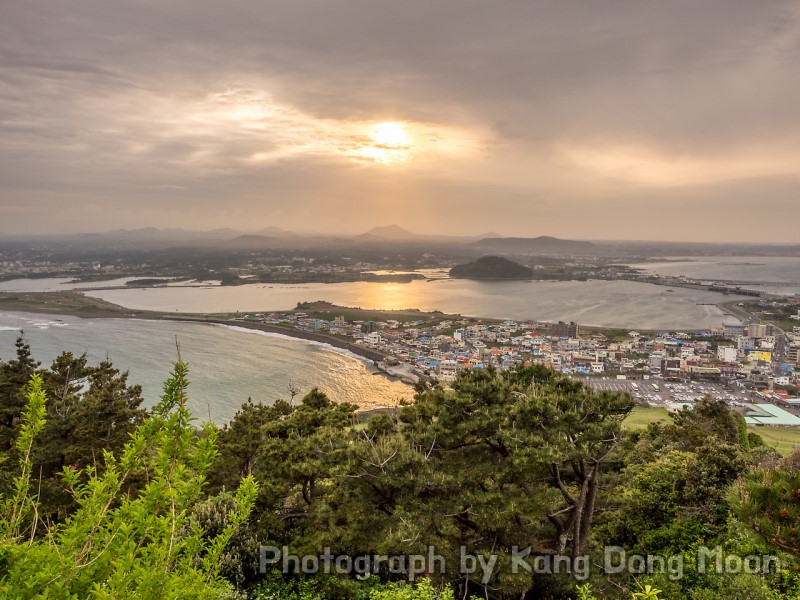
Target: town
754	367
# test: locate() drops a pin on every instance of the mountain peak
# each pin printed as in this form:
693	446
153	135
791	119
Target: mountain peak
389	232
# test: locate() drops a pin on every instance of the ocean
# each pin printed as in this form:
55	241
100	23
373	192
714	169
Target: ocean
227	365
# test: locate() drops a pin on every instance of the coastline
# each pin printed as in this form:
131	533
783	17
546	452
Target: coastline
355	351
75	304
366	353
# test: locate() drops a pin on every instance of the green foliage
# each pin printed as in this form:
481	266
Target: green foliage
674	499
102	500
648	592
14	376
492	267
90	410
277	587
503	459
117	545
768	500
93	410
19	505
585	592
423	590
506	459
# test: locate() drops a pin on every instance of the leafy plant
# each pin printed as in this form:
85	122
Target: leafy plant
140	544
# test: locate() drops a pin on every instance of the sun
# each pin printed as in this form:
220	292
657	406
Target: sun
390	134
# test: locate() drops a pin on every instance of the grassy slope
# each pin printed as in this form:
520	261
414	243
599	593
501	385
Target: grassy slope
784	439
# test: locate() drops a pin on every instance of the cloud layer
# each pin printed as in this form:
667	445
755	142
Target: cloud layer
585	120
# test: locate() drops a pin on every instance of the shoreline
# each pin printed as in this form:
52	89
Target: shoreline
361	351
356	351
77	304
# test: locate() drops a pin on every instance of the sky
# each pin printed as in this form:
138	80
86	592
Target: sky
631	119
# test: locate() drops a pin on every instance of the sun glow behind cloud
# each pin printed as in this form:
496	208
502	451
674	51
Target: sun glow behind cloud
250	115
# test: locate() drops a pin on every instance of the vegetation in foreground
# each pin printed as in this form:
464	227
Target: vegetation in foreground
785	440
102	499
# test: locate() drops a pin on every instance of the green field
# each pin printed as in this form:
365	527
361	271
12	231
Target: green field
784	439
641	417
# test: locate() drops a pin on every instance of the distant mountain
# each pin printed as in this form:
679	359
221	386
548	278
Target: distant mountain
184	237
288	241
388	232
491	267
145	233
274	232
253	241
154	234
395	234
539	245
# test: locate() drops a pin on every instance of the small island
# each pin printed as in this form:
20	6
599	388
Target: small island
491	267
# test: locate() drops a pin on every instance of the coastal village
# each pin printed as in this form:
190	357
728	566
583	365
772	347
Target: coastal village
755	367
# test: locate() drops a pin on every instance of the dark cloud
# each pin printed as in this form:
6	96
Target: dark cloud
529	117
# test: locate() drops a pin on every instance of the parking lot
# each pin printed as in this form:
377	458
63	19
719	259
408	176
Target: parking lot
657	391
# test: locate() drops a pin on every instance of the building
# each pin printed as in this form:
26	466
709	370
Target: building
448	370
759	356
731	332
373	338
793	354
769	414
562	329
759	330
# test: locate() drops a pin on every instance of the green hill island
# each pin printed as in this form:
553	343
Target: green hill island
491	267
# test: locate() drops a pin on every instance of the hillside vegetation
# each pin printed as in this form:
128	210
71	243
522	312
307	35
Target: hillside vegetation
491	267
471	489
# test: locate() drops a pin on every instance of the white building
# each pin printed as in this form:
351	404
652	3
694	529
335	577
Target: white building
373	339
448	370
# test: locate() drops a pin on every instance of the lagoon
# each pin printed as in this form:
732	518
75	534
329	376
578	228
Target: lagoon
595	303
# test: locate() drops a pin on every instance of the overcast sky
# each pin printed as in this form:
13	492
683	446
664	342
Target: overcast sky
626	119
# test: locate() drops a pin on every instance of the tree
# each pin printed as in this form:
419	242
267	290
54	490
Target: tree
14	375
142	545
93	409
512	459
240	441
671	500
767	499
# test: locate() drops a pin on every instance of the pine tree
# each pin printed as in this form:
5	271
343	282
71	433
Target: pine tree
14	376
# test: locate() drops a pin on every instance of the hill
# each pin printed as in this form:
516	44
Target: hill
539	245
491	267
394	234
388	232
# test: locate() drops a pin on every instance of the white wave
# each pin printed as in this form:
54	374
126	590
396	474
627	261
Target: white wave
294	339
43	324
